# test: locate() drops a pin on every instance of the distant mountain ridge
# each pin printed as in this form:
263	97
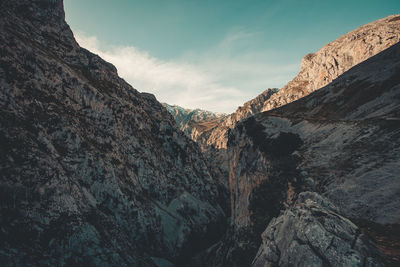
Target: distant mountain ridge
193	122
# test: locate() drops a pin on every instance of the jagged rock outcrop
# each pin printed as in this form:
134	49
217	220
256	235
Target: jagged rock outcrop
342	141
317	70
312	233
92	172
194	122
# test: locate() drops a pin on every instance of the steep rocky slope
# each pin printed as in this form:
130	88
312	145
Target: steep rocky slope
317	70
194	122
343	142
92	172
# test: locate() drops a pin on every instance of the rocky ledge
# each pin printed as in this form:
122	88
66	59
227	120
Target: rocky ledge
313	233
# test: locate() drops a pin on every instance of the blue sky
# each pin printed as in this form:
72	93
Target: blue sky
214	55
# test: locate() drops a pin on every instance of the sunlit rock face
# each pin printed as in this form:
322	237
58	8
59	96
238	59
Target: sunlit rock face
320	68
91	171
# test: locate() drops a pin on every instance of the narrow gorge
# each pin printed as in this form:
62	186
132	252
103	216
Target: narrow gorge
95	173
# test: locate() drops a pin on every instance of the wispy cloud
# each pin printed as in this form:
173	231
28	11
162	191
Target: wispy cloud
219	80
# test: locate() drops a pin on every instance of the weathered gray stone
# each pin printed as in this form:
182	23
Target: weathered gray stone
312	234
92	172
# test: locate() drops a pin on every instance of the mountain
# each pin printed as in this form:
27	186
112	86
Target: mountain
193	122
92	172
317	70
320	175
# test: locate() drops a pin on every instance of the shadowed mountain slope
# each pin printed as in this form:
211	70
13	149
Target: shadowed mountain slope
92	172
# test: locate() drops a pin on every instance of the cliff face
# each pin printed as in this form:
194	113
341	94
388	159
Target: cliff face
317	70
341	141
91	171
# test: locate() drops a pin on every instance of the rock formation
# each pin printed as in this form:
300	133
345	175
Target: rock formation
312	233
211	130
92	172
342	141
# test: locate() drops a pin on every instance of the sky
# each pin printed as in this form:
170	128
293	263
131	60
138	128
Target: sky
214	54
